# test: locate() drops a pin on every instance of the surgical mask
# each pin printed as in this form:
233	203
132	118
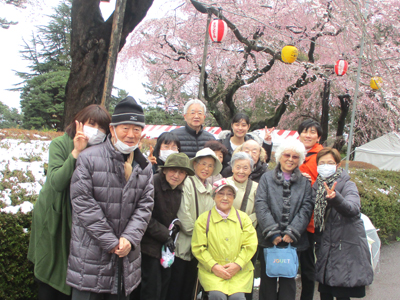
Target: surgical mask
165	153
94	135
122	147
326	171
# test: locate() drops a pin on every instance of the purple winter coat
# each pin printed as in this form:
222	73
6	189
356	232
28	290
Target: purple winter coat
104	208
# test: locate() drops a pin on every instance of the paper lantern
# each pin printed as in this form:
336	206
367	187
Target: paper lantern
376	82
217	30
341	67
289	54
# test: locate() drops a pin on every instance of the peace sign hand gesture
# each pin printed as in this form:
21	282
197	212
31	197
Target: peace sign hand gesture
268	134
151	157
330	193
80	140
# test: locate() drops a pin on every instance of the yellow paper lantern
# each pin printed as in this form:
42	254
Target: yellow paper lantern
289	54
376	82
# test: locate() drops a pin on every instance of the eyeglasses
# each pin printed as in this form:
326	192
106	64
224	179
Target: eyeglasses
205	165
287	156
169	147
227	195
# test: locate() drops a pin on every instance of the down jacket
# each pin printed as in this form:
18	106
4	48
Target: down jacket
106	207
343	257
269	205
191	142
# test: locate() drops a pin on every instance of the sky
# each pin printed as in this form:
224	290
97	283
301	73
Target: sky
128	78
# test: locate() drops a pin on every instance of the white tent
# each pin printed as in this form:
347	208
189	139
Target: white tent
383	152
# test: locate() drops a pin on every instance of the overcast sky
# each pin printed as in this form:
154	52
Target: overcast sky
12	42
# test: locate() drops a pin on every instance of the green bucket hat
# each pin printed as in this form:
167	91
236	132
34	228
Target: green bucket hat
178	160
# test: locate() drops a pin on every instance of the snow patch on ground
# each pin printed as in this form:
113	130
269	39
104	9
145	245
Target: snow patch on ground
23	156
24	208
386	192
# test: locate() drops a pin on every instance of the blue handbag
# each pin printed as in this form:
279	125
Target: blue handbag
281	262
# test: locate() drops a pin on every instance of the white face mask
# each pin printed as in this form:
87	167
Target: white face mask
165	153
94	135
122	147
326	170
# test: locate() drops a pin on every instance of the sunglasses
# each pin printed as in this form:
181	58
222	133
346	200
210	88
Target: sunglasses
287	156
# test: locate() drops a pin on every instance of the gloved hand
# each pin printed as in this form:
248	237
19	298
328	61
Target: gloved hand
170	244
175	229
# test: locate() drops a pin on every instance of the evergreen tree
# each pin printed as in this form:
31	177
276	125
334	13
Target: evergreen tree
43	90
9	118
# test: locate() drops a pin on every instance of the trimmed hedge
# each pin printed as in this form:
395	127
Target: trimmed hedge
380	200
16	272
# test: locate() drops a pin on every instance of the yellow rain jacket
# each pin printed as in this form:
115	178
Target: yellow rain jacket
225	242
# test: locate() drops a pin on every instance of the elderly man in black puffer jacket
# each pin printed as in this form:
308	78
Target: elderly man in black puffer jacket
112	201
192	136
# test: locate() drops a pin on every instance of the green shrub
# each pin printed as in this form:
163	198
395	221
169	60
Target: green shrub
16	272
380	199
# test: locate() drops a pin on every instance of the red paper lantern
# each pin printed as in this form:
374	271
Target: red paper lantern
217	30
341	67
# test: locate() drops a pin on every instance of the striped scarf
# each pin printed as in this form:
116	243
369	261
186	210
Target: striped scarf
320	201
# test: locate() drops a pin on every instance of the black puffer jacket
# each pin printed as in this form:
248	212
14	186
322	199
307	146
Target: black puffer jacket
106	207
191	142
343	257
269	207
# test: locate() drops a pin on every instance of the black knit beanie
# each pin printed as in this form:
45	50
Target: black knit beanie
127	111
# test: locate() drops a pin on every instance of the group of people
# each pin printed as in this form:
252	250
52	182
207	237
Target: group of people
107	215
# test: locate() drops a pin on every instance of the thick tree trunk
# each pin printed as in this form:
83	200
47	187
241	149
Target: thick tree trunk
90	40
325	111
344	110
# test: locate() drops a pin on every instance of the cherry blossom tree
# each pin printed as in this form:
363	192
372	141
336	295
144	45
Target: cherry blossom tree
245	72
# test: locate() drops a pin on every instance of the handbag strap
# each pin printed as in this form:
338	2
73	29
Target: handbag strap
246	195
195	197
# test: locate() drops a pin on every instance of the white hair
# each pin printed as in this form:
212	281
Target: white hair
241	156
194	101
294	144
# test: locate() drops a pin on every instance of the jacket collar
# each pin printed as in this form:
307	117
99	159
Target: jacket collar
200	186
192	131
315	149
296	175
216	217
137	155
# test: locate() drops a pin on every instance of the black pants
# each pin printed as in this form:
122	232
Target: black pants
46	292
268	285
155	279
307	266
183	279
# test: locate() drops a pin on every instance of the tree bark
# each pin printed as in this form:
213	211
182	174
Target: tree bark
344	110
90	40
290	91
325	110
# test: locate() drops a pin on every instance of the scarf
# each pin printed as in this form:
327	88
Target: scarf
320	201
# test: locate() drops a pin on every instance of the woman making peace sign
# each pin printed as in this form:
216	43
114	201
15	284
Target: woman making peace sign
343	267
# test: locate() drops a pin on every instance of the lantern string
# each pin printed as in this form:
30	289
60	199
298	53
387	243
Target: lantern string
272	28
